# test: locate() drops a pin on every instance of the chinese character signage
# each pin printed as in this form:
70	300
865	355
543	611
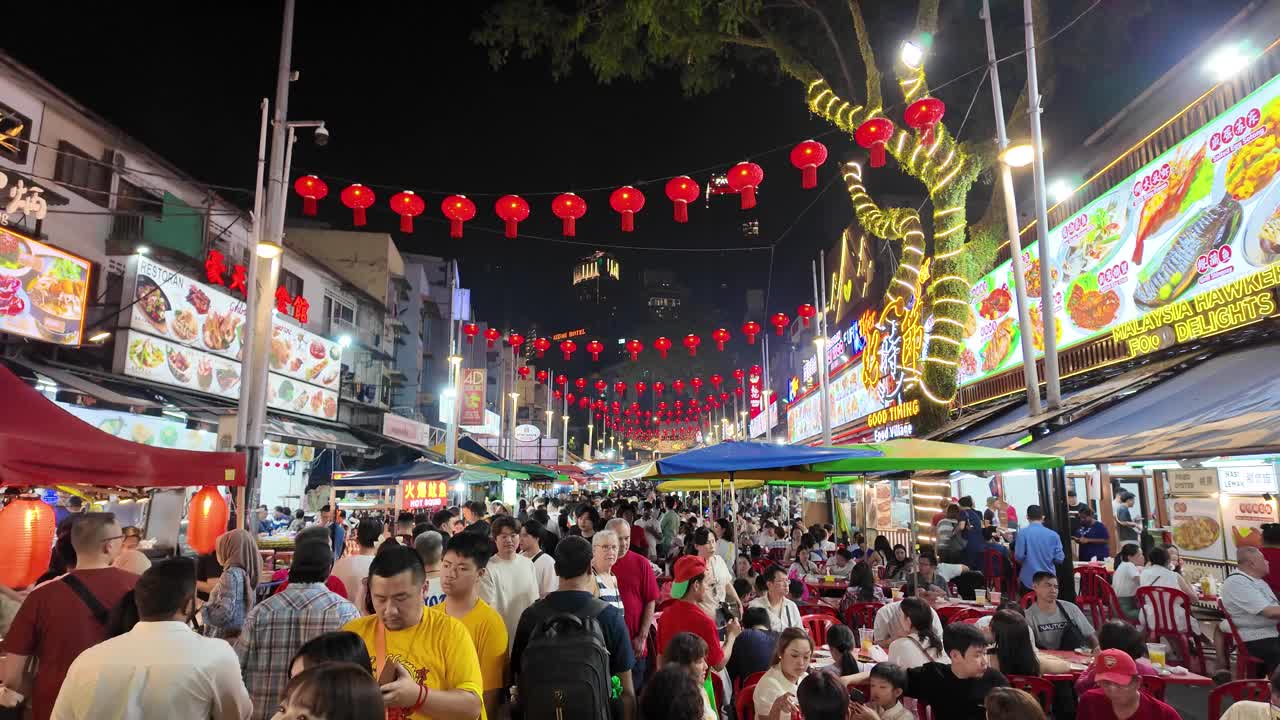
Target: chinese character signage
423	494
42	290
755	390
473	387
1181	250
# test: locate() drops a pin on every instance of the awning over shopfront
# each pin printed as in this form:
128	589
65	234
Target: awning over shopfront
424	470
1227	405
733	457
287	430
42	444
85	385
905	454
467	444
531	472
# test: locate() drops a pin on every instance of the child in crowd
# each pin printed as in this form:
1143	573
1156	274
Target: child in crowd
887	682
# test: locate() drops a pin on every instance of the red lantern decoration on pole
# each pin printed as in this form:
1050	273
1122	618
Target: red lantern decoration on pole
738	374
779	321
692	342
584	403
620	388
557	393
541	375
751	329
581	384
206	519
408	206
744	178
721	336
716	380
635	347
470	330
923	115
738	391
658	387
696	384
359	198
523	372
512	210
681	191
568	347
872	135
662	345
561	380
806	312
491	336
601	386
677	386
541	345
640	387
312	189
628	201
515	340
28	525
569	208
807	156
595	347
459	209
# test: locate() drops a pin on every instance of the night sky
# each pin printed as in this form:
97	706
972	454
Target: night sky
412	102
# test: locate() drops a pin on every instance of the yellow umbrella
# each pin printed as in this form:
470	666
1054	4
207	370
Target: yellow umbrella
704	484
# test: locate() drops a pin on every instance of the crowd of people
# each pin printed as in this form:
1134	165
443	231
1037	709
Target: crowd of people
554	609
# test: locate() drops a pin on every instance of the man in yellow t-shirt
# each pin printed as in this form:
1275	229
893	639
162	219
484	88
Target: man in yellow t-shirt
465	559
437	674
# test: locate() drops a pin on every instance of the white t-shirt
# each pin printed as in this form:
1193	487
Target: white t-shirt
787	616
910	652
353	571
1156	576
889	618
544	568
773	685
717	580
1126	579
433	594
510	587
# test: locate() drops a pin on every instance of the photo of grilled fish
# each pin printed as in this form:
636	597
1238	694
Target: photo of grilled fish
1173	273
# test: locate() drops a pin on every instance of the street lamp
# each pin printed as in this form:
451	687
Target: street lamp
1018	155
1228	60
1060	190
912	54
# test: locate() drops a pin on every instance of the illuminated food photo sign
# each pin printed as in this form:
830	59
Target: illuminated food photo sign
43	290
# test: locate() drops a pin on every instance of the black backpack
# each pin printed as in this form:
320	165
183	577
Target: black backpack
564	670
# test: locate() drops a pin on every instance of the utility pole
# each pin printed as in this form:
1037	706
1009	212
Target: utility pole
821	343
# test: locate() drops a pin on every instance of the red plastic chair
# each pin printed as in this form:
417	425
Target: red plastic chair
969	615
1246	664
862	615
816	626
778	555
741	682
745	705
1101	603
1028	600
719	690
1161	610
1258	690
1152	686
995	572
819	609
1040	689
1090	577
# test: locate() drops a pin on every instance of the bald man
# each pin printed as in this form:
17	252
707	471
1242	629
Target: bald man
639	592
1253	606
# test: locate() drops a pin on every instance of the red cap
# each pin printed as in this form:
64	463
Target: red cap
688	567
1115	666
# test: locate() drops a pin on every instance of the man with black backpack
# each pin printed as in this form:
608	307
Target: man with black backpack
568	644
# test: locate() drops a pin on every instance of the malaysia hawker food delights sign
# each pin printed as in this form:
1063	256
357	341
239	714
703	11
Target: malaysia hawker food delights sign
1183	249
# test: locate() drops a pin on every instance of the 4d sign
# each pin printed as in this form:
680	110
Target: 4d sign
420	494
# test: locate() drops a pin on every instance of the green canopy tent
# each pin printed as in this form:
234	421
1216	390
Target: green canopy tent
516	470
905	454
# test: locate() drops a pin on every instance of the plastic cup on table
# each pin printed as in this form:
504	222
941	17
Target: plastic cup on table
994	596
868	639
829	578
1156	651
980	597
897	593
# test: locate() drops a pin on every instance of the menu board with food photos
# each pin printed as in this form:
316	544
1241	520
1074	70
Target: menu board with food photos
145	429
1197	527
189	334
1182	249
1244	518
42	290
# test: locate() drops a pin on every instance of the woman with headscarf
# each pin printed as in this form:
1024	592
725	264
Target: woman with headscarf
232	598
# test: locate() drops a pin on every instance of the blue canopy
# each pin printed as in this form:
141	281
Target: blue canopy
738	456
422	470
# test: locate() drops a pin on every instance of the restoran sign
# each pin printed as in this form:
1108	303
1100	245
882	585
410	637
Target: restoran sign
1183	249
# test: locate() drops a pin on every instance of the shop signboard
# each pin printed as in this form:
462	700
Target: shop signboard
1244	518
527	433
757	424
850	400
43	290
755	391
1182	249
890	506
423	494
473	387
1197	527
1248	480
145	429
406	430
185	333
1190	482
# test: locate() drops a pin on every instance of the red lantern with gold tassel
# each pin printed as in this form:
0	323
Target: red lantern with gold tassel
206	519
513	210
923	115
692	342
27	525
471	330
751	329
595	347
491	336
569	208
807	156
407	205
872	135
541	345
312	189
721	336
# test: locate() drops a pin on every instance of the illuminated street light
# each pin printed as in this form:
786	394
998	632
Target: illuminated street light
1018	155
912	54
1060	190
1224	63
268	250
344	340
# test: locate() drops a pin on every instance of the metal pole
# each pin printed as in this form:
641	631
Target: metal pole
564	441
591	436
262	288
1053	393
1011	223
246	366
764	377
455	374
821	344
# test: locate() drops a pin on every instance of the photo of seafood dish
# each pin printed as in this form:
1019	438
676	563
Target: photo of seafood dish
996	304
1261	242
220	330
1037	328
1173	270
999	346
1031	275
968	363
1090	309
300	402
16	259
204	372
179	365
227	376
153	304
280	352
1097	244
184	325
1190	178
57	297
330	407
1253	166
145	353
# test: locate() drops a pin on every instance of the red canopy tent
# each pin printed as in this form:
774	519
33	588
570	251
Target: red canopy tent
42	444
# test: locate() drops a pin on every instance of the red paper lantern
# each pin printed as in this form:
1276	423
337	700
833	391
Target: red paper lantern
658	387
408	206
568	347
677	386
541	375
568	398
692	342
595	347
807	156
620	388
738	391
696	384
601	386
581	384
779	321
628	201
806	313
312	189
28	528
738	374
512	210
471	330
635	347
662	345
541	345
751	329
716	380
206	519
557	394
640	387
459	209
923	115
523	372
515	340
872	135
681	191
744	178
721	336
491	336
584	403
569	208
359	198
561	380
